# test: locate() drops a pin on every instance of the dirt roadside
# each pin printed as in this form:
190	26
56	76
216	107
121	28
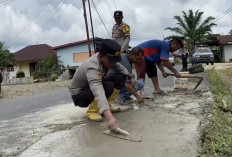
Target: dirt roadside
13	91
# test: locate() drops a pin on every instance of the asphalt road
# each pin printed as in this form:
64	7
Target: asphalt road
22	106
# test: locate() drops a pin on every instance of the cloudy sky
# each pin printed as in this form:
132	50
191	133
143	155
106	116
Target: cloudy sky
57	22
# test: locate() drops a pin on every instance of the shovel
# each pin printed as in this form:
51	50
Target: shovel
190	76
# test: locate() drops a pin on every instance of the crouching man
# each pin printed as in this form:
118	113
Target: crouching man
135	57
92	87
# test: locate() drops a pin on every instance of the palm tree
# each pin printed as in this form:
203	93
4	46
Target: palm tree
191	27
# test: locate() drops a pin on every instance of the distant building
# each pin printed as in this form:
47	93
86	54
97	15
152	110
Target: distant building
74	54
27	58
225	42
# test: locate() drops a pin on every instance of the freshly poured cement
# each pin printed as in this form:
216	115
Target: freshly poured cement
170	126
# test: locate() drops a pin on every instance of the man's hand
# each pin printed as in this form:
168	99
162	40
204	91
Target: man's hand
113	124
134	83
177	74
140	100
165	74
122	50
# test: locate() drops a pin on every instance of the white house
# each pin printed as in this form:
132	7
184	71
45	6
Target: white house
226	47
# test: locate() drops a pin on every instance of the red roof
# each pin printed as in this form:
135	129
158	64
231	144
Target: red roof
70	44
225	39
34	53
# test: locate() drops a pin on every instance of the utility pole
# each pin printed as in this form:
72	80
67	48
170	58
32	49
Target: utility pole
86	26
90	16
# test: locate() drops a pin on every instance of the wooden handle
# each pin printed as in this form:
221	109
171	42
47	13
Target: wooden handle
185	76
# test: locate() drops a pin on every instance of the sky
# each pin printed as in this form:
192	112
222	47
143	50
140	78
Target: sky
58	22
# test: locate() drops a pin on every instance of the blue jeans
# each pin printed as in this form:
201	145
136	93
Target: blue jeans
124	94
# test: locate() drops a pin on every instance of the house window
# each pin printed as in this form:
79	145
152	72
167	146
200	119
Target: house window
81	57
10	69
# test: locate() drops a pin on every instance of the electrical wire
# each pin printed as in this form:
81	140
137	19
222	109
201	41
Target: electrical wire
30	22
223	14
63	2
101	18
109	5
114	5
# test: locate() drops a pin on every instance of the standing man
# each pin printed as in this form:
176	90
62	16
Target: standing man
91	82
156	52
121	32
184	55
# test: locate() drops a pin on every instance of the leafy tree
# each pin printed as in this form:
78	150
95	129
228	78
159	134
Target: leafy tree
51	65
191	27
230	32
6	58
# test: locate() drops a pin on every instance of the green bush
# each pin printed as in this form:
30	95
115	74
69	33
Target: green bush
53	77
37	75
20	74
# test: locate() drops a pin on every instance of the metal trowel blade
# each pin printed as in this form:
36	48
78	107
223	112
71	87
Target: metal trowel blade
121	136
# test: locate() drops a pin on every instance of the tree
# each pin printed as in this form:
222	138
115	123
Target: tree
51	66
6	58
191	27
230	32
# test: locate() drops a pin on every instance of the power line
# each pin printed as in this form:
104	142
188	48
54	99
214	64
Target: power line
100	18
30	22
109	5
42	25
105	11
115	5
223	14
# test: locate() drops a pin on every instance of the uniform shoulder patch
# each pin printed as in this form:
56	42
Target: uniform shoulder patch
126	29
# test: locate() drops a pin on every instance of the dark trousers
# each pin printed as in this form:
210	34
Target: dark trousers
184	62
109	82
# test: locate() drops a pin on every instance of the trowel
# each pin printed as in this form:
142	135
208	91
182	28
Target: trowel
122	134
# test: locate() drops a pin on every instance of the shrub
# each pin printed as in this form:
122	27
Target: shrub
20	74
37	75
53	77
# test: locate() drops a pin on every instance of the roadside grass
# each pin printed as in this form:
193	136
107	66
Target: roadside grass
217	136
228	73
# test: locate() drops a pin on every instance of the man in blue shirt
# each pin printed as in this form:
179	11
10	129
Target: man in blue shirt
156	52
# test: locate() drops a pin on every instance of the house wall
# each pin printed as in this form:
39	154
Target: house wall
24	66
227	52
66	54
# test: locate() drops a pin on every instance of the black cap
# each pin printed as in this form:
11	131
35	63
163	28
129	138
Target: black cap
111	49
118	13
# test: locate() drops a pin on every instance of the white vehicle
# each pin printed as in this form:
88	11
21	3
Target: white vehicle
171	60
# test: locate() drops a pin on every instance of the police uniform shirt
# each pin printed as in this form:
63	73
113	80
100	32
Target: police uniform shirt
90	74
121	34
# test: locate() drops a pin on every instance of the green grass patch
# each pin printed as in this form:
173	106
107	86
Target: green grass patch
217	136
228	73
